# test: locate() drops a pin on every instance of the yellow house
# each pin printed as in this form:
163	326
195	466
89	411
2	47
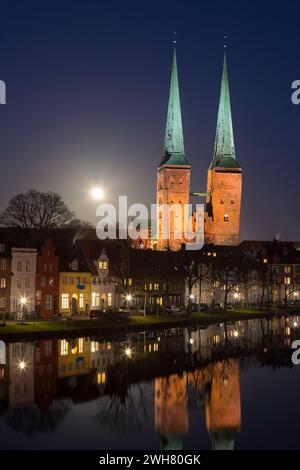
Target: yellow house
74	288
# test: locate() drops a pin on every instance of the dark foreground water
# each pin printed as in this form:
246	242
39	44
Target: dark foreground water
225	386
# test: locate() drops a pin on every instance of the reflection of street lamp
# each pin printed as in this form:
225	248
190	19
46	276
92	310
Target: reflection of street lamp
128	352
22	365
236	334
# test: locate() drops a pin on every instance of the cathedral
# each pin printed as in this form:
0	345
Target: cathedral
224	176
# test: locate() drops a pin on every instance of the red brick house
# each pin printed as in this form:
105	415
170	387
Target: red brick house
47	280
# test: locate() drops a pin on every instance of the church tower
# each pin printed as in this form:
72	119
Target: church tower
224	180
173	173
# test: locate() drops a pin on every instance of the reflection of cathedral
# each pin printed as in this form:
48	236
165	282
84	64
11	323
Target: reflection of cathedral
223	405
171	410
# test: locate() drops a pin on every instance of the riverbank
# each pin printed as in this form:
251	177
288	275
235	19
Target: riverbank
60	328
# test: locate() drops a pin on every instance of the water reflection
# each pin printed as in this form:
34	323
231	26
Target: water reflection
145	382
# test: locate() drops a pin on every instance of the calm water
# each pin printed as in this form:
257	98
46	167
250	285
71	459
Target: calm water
224	386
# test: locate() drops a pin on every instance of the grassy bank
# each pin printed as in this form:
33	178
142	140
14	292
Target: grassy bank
59	327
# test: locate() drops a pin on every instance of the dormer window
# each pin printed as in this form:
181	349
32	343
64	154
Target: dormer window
74	265
103	264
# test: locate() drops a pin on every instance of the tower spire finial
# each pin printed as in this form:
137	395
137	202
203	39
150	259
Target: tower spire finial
174	38
225	41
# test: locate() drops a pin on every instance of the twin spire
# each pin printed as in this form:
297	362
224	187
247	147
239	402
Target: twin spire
224	151
174	145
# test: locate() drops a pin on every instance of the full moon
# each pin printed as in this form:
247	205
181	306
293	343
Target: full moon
97	193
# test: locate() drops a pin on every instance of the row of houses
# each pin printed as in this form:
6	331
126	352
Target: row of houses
63	274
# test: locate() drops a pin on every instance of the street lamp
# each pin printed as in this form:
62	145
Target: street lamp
22	365
23	302
128	352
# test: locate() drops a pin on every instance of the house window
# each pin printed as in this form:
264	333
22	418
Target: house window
226	218
130	282
65	280
27	283
65	301
3	283
95	299
2	247
109	299
101	377
287	280
102	264
27	266
80	345
43	282
150	286
214	254
156	286
38	295
64	347
19	265
19	283
50	267
287	269
45	267
71	280
265	260
74	265
81	300
2	302
48	302
84	280
48	348
51	281
3	264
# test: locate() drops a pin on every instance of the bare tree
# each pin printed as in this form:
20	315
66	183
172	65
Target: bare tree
36	210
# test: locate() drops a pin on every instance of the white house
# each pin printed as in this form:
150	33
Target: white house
23	268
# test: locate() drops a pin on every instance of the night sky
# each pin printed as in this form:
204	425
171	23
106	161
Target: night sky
87	92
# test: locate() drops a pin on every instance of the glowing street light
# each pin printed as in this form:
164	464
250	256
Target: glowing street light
192	297
129	297
236	333
97	193
22	365
128	352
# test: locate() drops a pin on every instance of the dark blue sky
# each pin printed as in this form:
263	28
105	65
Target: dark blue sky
87	91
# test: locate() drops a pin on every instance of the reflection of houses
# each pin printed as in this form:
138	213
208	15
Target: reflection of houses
45	372
223	405
102	357
73	357
74	282
23	267
21	374
171	410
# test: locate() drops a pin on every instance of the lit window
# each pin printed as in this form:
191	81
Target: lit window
101	378
109	299
155	347
287	269
2	302
156	286
80	345
214	254
27	266
51	281
3	283
102	264
48	302
3	264
74	265
19	283
265	260
65	301
287	280
226	218
81	300
64	347
130	282
150	286
94	346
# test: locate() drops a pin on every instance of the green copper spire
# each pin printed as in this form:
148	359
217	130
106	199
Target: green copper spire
174	146
224	152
